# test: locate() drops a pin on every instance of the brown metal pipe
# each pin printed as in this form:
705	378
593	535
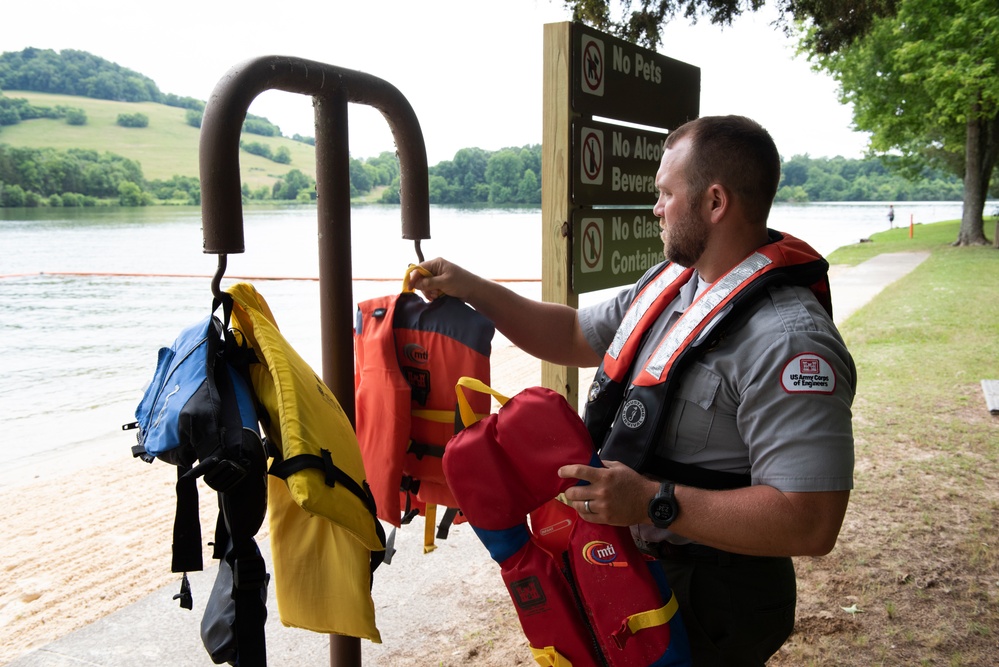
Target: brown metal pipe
331	88
221	198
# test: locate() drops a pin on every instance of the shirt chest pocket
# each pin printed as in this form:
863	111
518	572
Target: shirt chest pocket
693	411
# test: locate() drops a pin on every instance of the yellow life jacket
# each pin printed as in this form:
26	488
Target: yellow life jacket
322	535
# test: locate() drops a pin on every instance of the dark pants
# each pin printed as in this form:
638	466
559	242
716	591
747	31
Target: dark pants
738	610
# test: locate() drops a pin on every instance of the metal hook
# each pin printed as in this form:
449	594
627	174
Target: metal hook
419	252
217	280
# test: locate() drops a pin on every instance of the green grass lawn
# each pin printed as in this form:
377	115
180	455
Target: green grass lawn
167	147
919	551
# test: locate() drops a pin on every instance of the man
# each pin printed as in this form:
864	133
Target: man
722	406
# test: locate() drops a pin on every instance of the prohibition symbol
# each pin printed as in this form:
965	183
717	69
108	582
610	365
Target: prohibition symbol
591	154
593	66
592	250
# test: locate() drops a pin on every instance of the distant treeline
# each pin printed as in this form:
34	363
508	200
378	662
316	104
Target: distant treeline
33	177
49	177
807	179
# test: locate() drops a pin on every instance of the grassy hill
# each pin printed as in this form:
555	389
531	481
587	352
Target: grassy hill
167	147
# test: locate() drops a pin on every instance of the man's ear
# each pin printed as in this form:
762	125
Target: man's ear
717	201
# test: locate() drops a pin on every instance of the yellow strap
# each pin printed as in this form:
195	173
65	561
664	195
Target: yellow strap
430	516
441	416
468	417
409	270
650	619
549	657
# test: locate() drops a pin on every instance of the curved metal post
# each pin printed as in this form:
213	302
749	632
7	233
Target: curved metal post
331	88
221	202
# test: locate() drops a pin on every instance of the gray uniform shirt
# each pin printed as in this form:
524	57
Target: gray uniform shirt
753	403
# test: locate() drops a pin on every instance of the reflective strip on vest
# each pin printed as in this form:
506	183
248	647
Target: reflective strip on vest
641	305
694	317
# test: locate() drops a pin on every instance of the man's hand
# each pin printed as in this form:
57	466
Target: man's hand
616	494
444	278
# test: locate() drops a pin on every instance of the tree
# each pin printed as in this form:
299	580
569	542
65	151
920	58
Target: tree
925	84
836	23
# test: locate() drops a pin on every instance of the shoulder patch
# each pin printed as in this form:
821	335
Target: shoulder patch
808	373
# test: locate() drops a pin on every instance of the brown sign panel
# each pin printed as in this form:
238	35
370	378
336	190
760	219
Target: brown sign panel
613	247
614	164
619	80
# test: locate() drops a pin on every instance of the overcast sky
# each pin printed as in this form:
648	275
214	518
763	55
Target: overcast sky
471	69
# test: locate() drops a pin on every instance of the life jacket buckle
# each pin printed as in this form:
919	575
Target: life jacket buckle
224	475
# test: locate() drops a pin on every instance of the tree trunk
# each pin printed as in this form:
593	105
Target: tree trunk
981	149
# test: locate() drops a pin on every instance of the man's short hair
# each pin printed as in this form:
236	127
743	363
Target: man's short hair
736	152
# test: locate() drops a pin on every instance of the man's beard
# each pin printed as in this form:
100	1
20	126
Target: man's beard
686	239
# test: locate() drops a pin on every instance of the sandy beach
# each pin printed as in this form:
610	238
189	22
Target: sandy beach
89	535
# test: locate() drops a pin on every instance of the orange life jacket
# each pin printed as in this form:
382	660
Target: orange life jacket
409	354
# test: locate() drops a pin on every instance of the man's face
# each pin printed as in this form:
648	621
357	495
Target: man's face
684	233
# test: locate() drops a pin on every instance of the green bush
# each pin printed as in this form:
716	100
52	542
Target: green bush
133	120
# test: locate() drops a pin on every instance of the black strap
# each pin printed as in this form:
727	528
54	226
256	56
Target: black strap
420	449
186	525
333	474
249	576
444	527
703	478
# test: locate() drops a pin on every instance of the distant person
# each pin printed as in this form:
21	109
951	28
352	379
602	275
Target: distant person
891	216
722	406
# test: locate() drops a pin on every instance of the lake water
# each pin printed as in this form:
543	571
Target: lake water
78	345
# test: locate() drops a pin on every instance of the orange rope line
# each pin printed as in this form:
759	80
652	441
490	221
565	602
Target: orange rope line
208	277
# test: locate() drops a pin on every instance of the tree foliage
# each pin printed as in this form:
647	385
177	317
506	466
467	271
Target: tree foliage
640	21
925	84
71	72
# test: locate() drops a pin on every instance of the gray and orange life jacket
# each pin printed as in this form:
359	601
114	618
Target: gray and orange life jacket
626	421
409	353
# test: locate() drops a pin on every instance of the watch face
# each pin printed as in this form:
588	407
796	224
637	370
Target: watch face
662	511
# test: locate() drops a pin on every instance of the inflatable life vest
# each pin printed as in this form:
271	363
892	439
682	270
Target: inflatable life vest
584	594
639	420
325	539
409	354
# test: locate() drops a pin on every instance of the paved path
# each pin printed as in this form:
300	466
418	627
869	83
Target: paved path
445	583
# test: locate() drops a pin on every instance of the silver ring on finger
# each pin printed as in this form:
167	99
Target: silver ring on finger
586	506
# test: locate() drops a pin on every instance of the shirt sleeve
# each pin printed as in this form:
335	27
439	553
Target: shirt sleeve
795	414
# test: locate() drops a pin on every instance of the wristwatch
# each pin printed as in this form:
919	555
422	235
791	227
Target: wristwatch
663	508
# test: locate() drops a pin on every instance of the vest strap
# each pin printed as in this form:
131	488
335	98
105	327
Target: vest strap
549	657
644	620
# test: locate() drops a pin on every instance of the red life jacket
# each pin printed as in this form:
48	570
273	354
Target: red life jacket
409	354
584	593
626	423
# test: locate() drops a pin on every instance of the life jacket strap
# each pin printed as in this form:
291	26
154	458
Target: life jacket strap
333	474
692	475
420	449
644	620
444	527
430	518
549	657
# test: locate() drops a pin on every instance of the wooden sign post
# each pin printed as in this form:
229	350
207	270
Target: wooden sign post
598	176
